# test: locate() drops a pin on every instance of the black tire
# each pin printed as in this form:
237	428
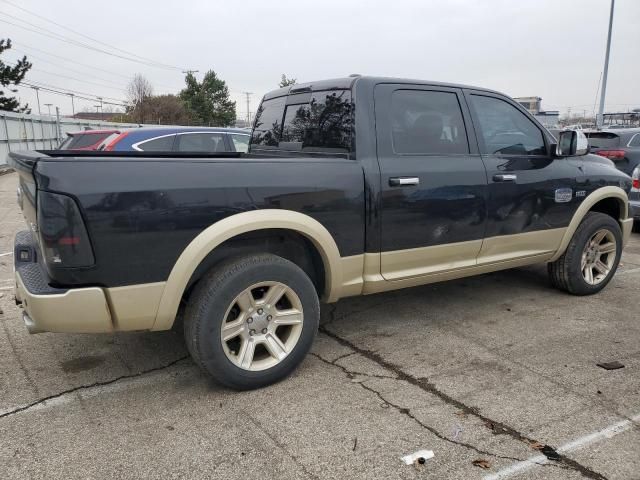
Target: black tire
214	294
565	273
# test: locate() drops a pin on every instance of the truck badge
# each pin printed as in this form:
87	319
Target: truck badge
563	195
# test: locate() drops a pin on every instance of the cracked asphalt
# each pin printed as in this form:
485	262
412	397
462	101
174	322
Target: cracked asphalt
490	368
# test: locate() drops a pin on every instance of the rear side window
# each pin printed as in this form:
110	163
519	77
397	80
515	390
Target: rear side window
322	123
240	142
603	139
427	122
160	144
201	142
635	141
505	130
83	140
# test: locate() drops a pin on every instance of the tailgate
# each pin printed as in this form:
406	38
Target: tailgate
24	163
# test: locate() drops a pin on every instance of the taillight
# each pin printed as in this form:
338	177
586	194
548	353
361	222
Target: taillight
635	180
63	236
113	142
612	154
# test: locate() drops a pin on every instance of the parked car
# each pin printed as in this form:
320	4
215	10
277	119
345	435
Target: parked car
623	148
352	186
177	139
85	139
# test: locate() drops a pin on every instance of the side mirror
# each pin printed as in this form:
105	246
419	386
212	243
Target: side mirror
572	143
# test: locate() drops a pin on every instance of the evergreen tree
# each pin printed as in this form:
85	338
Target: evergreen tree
12	75
208	101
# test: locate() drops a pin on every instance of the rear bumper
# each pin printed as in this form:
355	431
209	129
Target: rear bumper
47	309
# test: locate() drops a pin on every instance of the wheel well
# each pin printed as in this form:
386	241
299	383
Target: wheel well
288	244
609	206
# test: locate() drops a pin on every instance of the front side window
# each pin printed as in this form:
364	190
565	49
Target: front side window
427	122
160	144
201	142
505	130
635	141
240	142
324	123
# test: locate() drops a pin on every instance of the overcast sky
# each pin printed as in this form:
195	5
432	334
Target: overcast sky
548	48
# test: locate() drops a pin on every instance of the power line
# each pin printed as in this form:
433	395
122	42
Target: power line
67	92
29	54
39	70
86	36
62	38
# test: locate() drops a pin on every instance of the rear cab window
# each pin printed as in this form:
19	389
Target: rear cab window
83	140
307	122
603	140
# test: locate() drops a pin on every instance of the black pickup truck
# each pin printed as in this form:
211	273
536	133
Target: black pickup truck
352	186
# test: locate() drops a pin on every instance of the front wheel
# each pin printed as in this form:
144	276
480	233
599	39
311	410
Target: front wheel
252	320
591	258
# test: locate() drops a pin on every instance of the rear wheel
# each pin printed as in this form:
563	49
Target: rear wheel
591	258
251	321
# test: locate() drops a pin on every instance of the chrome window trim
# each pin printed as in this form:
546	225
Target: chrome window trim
631	140
136	146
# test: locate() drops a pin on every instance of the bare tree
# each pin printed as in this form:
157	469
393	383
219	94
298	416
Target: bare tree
139	91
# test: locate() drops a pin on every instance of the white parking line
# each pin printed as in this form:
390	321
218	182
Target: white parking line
607	432
5	254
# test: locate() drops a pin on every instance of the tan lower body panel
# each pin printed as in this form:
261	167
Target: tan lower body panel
135	307
418	266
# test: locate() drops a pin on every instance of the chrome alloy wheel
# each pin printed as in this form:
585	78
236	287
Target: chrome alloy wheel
262	326
598	257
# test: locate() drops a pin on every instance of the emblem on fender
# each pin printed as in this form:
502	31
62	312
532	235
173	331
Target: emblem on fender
563	195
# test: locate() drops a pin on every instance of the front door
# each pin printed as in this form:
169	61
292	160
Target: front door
434	186
532	195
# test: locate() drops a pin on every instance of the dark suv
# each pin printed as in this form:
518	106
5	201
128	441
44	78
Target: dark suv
622	146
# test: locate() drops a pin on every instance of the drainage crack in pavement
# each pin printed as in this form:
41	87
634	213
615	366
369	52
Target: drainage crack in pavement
281	446
499	428
407	411
43	400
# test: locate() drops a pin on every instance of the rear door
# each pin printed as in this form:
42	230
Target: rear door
433	205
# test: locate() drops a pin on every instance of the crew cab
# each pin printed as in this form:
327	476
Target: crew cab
351	186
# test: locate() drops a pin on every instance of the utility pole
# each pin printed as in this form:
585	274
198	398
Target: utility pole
49	105
190	72
73	107
58	129
38	99
248	95
101	109
600	117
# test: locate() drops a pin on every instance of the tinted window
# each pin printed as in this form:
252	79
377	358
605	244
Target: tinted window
505	129
201	142
160	144
603	139
427	122
635	141
324	123
82	140
240	142
266	130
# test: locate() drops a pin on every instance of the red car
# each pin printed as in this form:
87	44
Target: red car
85	140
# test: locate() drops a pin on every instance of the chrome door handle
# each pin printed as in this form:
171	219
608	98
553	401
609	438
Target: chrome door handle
403	181
505	177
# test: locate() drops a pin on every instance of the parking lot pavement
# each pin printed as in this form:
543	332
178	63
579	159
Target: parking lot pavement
487	368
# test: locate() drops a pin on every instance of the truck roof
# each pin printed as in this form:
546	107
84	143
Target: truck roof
348	82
